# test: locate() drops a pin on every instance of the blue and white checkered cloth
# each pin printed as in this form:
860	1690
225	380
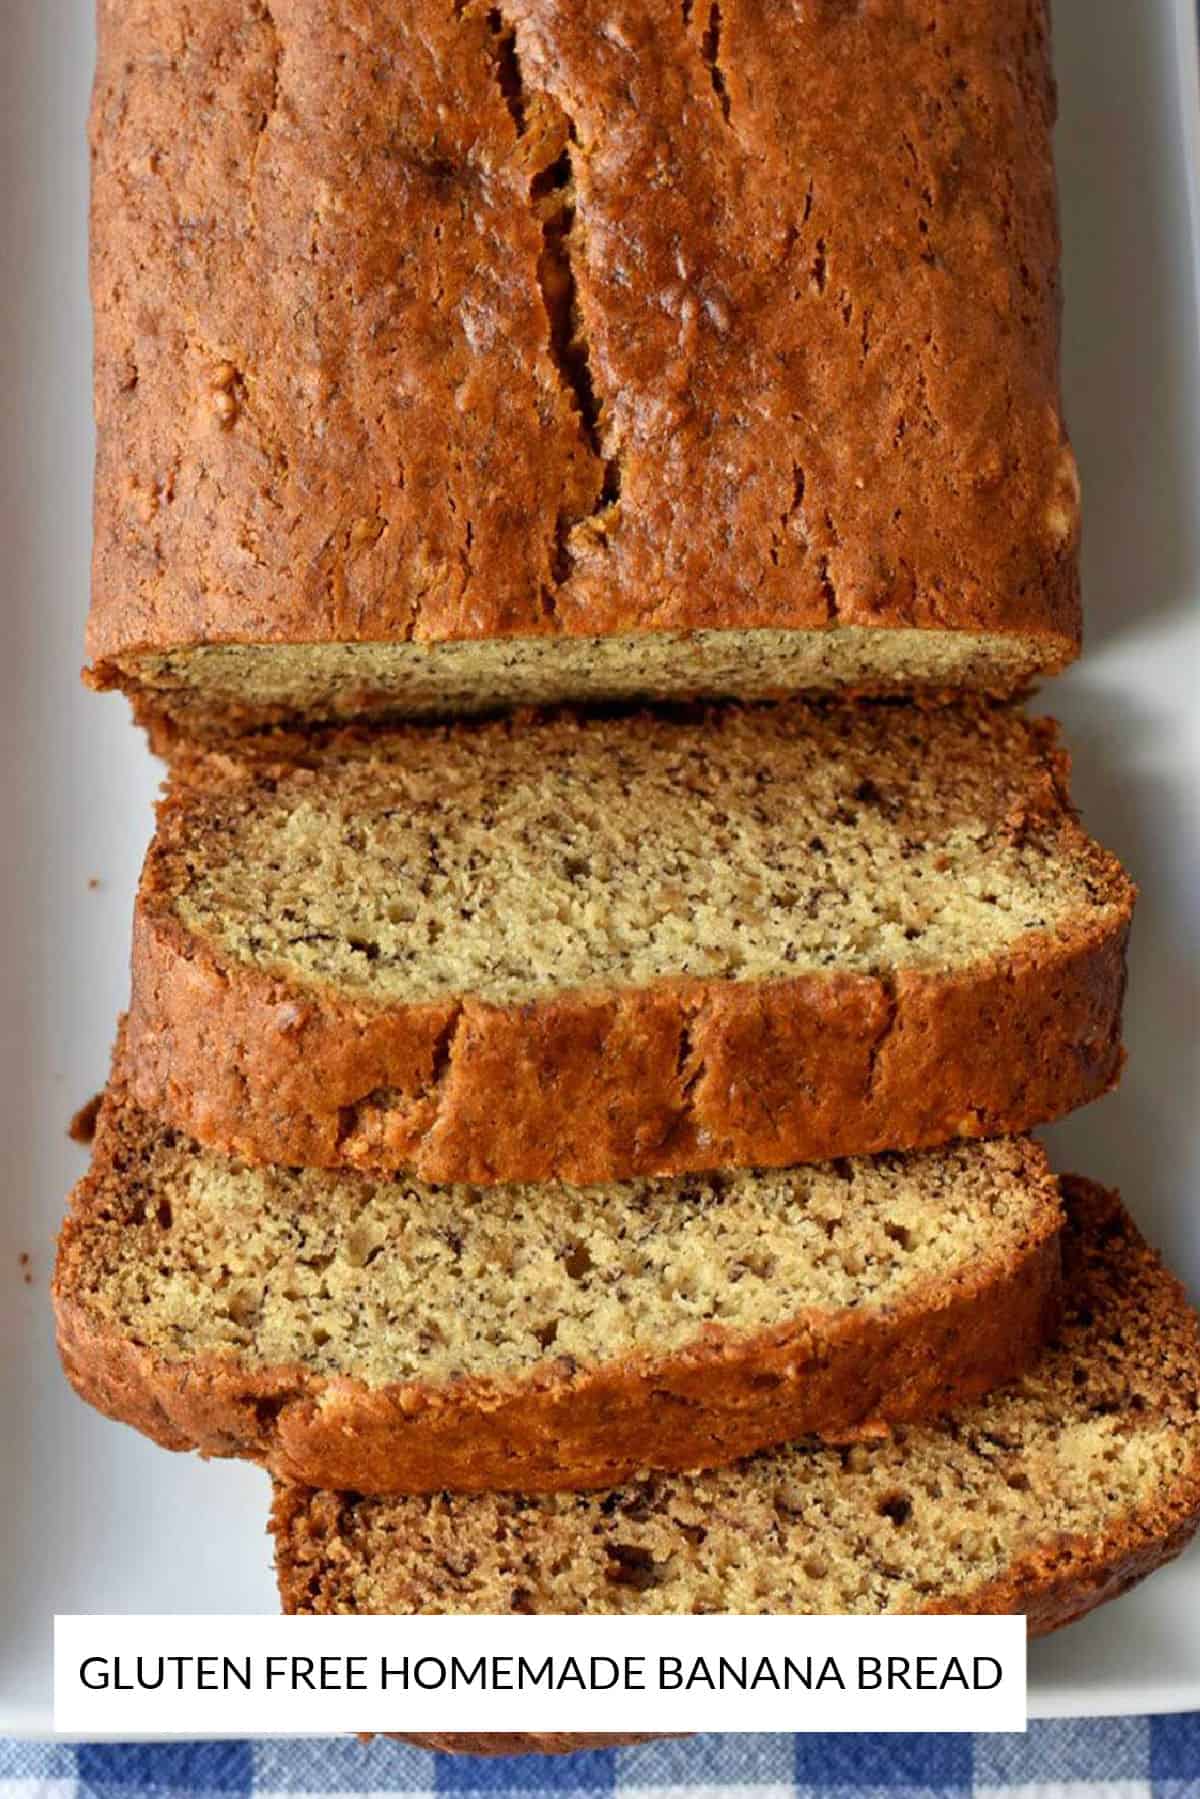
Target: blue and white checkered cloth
1113	1758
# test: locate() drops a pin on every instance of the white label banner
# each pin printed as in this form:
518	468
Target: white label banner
224	1676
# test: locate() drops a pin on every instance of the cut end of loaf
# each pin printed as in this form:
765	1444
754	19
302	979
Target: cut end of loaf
1044	1498
214	691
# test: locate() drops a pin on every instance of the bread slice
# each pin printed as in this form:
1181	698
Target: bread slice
493	375
393	1337
591	948
1044	1499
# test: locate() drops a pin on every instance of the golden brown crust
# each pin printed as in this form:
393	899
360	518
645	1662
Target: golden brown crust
559	1425
594	1086
355	382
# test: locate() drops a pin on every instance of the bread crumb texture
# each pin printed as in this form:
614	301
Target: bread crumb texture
512	861
586	321
385	1282
1047	1497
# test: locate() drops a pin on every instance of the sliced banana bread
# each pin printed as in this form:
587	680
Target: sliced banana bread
393	1337
597	947
616	347
1046	1498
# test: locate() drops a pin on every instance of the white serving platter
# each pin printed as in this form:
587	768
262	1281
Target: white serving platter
93	1519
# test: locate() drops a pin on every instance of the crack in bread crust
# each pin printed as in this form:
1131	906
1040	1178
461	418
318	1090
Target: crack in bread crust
760	285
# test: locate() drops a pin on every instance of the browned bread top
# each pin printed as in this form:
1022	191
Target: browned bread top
595	947
420	322
1046	1498
391	1336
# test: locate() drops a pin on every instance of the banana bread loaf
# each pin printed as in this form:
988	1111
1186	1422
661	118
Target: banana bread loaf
602	347
393	1337
589	948
1044	1499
